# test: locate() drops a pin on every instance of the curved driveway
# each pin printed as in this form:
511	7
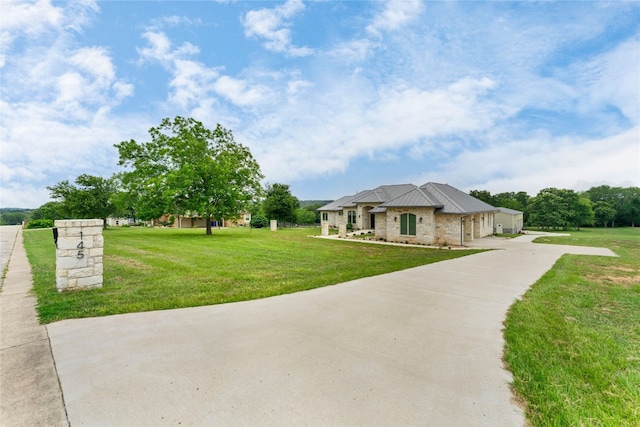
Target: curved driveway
417	347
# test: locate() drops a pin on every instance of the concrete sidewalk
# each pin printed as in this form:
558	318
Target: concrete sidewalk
417	347
30	394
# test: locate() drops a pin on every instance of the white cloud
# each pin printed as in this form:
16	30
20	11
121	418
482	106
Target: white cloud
160	49
191	83
172	21
323	132
271	25
29	19
544	161
57	99
395	15
240	92
612	80
33	19
195	85
352	50
38	147
295	87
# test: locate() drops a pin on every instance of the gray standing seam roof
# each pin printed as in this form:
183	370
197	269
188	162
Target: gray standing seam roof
509	211
336	205
443	197
383	194
414	198
456	201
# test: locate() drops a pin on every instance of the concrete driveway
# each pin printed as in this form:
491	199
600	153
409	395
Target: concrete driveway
416	347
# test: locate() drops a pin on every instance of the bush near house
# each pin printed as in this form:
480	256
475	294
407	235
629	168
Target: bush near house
258	221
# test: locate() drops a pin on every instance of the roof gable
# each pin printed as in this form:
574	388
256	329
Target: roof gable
454	200
413	198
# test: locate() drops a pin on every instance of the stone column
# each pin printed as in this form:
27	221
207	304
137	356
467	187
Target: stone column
274	225
79	253
325	228
342	230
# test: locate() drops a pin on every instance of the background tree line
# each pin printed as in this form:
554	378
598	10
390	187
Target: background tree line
554	208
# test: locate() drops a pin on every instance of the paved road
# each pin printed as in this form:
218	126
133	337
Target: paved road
8	235
417	347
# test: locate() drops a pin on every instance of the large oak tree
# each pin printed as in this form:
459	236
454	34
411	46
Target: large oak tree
189	169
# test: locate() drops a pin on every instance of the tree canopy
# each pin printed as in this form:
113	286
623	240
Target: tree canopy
280	204
560	208
622	204
187	168
90	197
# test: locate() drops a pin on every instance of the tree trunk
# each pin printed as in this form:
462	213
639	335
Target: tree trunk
209	225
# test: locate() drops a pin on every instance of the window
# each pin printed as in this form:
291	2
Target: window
325	216
408	224
351	215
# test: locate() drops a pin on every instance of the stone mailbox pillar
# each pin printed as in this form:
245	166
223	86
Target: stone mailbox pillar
325	228
274	225
79	250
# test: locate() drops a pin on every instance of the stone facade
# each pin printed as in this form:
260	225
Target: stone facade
425	225
459	229
79	252
333	218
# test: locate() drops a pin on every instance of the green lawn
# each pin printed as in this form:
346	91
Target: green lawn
154	269
573	342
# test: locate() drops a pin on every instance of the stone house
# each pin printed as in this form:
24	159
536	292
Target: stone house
509	221
119	222
432	214
333	212
191	220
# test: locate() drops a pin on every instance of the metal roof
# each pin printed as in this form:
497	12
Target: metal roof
443	197
509	211
336	205
414	198
383	194
378	209
455	201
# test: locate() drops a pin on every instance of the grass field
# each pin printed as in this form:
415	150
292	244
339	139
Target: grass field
573	341
154	269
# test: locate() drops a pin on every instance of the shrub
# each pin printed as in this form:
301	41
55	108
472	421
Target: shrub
40	223
259	221
349	226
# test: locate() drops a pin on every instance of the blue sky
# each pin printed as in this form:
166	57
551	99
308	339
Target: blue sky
331	97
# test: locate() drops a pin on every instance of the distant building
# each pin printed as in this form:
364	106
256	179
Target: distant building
119	222
191	220
509	221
